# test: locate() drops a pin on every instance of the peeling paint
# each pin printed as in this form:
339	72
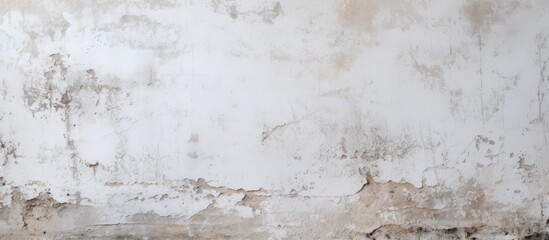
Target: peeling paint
274	119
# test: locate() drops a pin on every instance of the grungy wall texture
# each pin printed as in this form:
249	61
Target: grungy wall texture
347	119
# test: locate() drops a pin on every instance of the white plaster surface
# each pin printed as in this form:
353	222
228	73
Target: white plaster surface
279	118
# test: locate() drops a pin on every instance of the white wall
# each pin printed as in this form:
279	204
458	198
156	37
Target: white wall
281	119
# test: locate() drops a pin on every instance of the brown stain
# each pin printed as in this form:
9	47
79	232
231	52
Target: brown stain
432	75
41	216
409	207
35	216
481	14
334	66
361	14
39	212
382	205
380	210
342	61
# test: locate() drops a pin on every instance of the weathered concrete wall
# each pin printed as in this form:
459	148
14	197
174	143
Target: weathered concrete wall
284	119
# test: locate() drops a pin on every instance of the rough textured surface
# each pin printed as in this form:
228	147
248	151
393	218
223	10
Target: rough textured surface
350	119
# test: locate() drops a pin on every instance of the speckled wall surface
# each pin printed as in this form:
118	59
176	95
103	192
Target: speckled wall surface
347	119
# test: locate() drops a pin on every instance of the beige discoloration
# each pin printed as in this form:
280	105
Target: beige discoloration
342	61
432	75
353	119
386	210
41	215
50	91
359	14
35	6
481	15
365	15
266	12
